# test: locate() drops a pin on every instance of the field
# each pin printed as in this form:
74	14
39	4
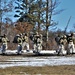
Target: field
46	70
30	64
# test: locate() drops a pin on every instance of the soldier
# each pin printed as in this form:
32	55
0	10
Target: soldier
61	43
25	42
4	42
70	39
19	40
41	41
57	38
37	42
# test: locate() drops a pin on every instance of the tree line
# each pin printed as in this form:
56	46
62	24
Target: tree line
32	16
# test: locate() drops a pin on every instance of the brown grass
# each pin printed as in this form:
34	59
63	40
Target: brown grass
46	70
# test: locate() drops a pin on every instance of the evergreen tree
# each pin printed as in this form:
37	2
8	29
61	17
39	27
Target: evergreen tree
29	11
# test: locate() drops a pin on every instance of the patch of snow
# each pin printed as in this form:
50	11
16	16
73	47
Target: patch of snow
41	61
31	51
38	61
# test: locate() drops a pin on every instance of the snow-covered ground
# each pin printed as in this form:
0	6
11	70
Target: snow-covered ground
31	51
37	60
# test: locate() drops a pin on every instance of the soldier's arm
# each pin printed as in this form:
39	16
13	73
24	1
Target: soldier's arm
7	40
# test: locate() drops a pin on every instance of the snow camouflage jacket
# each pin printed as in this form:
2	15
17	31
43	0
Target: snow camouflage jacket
36	39
5	40
25	39
70	39
19	41
61	40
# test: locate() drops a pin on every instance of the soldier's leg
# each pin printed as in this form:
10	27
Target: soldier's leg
27	45
59	49
6	47
73	48
3	49
19	49
35	48
69	48
23	45
62	49
39	47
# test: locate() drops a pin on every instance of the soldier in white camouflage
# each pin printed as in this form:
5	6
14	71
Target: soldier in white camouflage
25	42
70	40
20	41
4	43
61	44
37	40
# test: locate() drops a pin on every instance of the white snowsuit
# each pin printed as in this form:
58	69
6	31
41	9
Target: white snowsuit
25	42
4	46
37	43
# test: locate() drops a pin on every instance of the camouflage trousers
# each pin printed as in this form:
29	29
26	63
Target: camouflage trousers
70	49
37	47
19	49
60	50
4	47
25	44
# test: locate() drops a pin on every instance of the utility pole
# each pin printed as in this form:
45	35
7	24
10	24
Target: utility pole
67	25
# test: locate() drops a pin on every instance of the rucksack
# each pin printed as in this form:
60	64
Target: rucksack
57	39
15	39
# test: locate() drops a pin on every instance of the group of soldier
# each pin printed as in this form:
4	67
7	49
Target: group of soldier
22	40
65	42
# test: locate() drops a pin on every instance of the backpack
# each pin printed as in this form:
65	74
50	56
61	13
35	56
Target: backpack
1	38
15	39
57	39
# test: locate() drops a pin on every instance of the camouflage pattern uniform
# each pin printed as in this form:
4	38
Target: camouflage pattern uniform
25	42
61	43
70	39
37	42
4	42
19	44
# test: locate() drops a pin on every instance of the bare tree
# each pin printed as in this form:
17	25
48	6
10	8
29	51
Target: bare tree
51	6
6	6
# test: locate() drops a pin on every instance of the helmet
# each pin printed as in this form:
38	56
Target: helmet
17	35
4	35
